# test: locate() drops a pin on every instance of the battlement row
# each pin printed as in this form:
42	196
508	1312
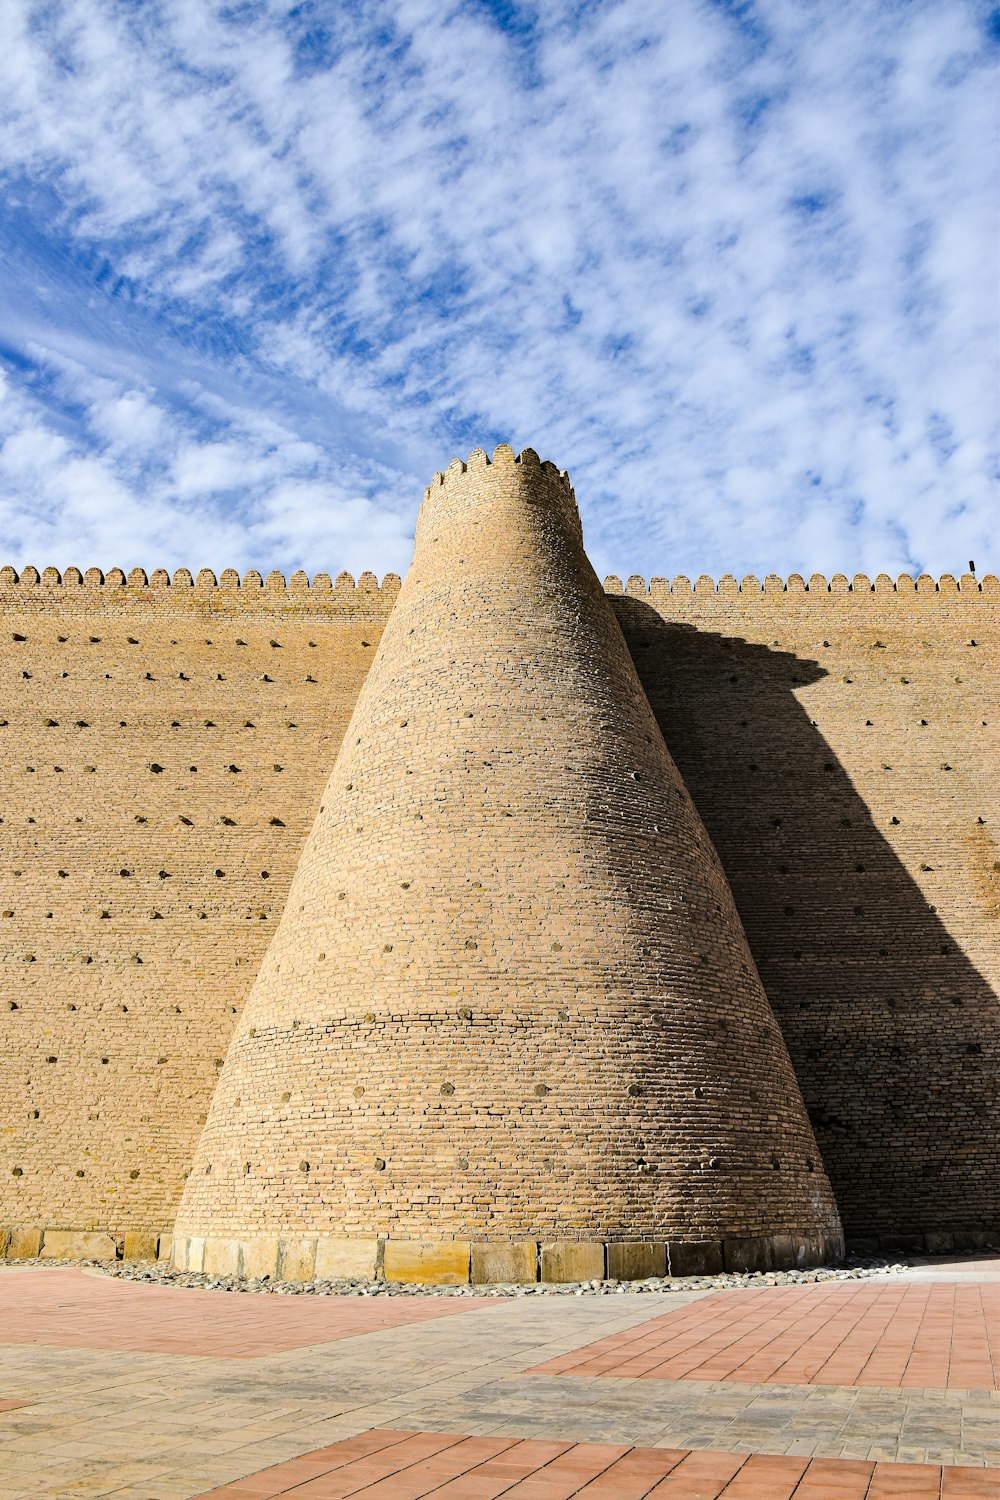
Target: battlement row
635	586
503	457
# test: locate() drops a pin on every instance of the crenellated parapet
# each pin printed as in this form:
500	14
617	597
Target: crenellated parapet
183	579
818	584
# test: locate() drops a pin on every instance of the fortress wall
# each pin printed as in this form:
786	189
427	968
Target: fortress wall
841	744
135	902
893	1049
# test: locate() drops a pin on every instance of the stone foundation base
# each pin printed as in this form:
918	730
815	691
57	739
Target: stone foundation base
464	1262
83	1244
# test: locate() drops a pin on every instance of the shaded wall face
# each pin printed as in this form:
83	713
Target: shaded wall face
842	750
162	752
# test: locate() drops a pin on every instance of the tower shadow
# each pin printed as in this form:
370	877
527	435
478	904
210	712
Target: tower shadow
892	1031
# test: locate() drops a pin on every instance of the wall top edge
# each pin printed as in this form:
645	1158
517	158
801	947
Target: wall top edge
367	583
969	583
228	581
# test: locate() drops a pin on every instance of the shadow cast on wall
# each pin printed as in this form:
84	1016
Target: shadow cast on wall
892	1030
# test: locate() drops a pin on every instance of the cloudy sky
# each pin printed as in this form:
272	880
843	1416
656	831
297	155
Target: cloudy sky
265	267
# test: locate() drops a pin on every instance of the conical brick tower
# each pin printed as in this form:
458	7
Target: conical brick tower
510	1003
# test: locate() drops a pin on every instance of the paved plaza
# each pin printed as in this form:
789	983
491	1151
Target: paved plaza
859	1390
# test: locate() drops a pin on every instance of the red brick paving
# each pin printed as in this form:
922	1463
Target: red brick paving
390	1465
72	1310
930	1336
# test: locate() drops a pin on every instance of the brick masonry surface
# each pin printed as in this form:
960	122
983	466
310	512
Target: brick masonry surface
838	741
509	996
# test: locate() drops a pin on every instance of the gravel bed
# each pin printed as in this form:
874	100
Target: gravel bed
852	1269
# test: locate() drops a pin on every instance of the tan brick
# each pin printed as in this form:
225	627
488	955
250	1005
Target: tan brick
572	1260
445	1263
515	1263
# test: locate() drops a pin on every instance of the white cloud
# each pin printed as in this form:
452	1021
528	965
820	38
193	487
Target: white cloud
734	269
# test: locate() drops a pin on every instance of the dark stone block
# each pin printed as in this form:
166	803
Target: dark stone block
753	1254
909	1244
634	1262
694	1257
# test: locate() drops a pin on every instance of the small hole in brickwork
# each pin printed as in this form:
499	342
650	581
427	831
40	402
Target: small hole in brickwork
155	768
465	1014
557	947
303	1166
17	1171
276	823
246	1169
379	1163
358	1090
134	1173
883	953
229	822
633	1091
810	1164
52	1059
80	1172
471	943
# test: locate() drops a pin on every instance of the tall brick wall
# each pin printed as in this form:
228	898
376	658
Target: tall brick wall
842	743
509	998
897	1073
162	749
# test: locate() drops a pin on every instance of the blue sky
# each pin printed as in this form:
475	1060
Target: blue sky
265	267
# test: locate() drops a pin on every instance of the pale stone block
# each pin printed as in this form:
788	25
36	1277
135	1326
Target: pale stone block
516	1262
165	1253
260	1257
344	1259
298	1259
634	1262
222	1257
573	1260
140	1244
77	1244
695	1257
438	1263
195	1254
24	1244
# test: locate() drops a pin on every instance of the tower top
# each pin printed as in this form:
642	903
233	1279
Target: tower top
453	496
